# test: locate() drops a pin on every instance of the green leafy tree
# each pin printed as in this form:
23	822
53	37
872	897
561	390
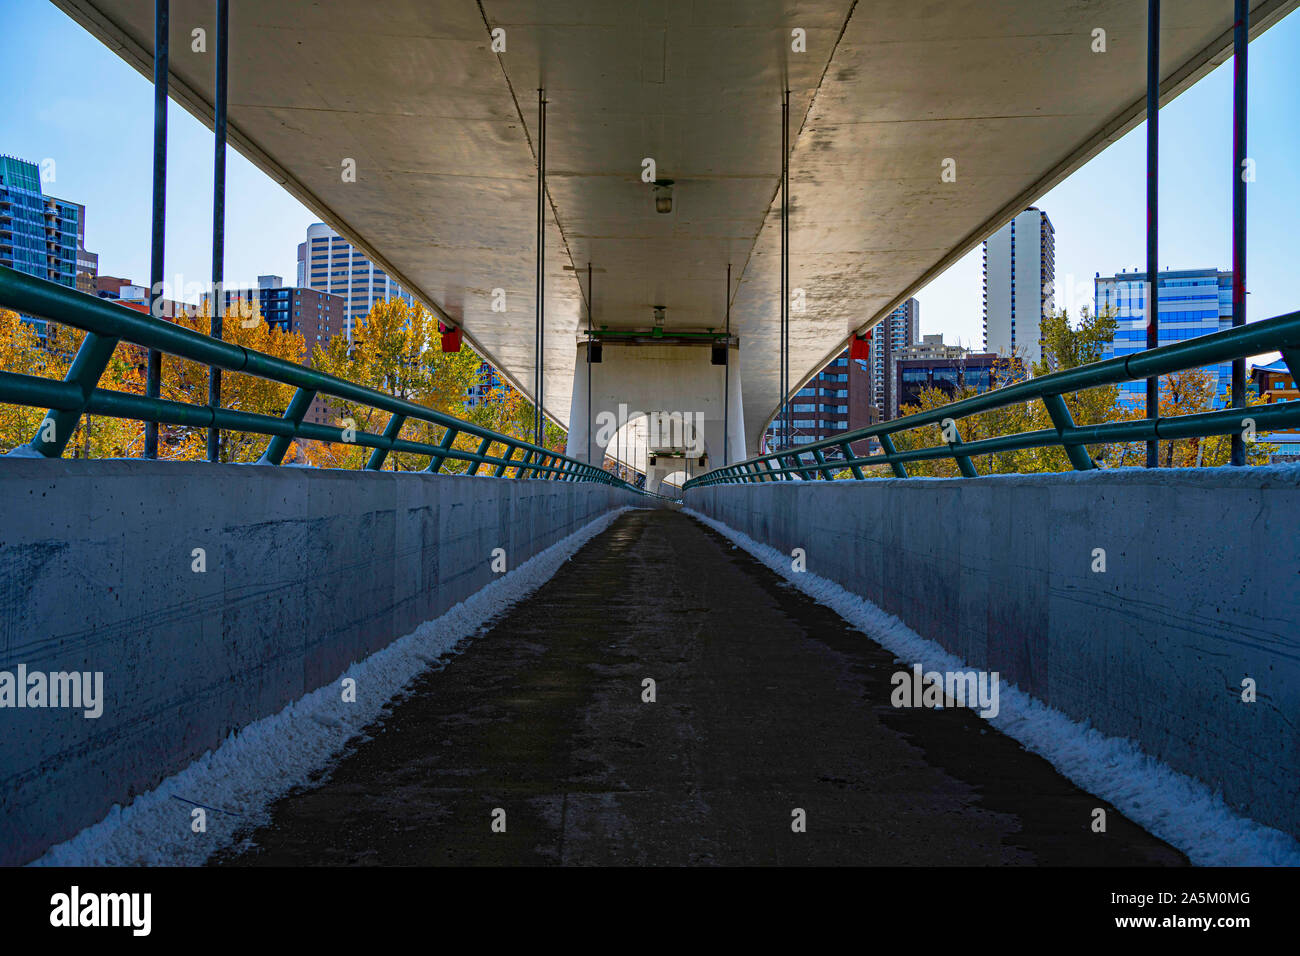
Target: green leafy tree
1066	345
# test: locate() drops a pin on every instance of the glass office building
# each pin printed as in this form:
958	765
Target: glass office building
1193	302
22	217
39	235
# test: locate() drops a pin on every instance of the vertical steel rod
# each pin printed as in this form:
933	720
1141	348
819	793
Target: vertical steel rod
786	426
1240	38
218	214
1151	309
589	341
726	382
539	337
153	380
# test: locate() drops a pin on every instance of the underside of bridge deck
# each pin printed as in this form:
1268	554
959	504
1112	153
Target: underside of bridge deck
432	107
766	703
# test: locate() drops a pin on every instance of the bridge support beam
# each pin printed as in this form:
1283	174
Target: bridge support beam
679	393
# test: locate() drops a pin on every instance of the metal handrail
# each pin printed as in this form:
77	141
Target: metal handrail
106	323
1277	334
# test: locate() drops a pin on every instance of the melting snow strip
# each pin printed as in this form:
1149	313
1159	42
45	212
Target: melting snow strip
257	765
1179	809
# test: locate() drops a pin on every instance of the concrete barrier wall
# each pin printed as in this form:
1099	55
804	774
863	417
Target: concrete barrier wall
307	570
1201	590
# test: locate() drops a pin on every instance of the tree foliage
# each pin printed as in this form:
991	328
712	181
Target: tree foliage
185	381
1068	345
22	350
397	349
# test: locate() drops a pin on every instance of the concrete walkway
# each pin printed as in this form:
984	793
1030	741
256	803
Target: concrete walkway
767	702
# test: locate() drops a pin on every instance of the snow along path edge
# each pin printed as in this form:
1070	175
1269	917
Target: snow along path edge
1179	809
255	766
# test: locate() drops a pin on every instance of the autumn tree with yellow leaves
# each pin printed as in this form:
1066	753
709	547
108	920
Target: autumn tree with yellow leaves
186	381
22	350
397	350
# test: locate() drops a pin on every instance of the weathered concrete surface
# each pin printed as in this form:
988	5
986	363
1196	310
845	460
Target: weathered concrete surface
1201	591
765	702
307	570
442	126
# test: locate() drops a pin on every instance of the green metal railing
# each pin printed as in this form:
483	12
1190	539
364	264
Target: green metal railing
107	323
1280	334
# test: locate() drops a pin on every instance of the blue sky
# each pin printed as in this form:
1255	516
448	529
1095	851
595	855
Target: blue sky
51	110
1099	212
54	112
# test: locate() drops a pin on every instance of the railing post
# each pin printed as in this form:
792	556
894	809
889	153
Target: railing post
849	456
522	467
279	444
964	464
887	443
56	428
1291	355
378	455
1064	421
505	461
435	461
821	460
482	450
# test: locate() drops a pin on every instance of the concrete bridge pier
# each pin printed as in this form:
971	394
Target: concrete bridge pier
664	402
